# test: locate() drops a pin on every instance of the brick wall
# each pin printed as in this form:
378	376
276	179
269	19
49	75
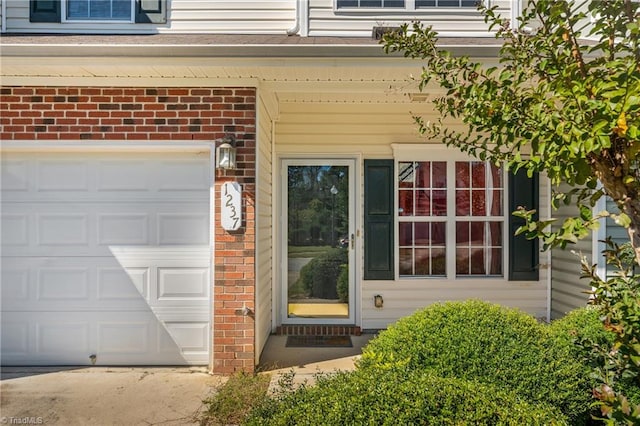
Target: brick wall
138	114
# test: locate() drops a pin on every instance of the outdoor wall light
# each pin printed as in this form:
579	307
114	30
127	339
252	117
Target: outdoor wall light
226	153
378	301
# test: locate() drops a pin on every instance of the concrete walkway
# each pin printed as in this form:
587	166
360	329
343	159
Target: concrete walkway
104	395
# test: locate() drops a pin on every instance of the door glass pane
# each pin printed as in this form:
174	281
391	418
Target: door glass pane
318	241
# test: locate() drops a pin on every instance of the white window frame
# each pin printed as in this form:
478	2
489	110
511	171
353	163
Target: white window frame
65	19
413	152
409	6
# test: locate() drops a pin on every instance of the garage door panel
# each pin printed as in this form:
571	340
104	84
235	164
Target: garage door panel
115	338
68	283
15	230
183	228
119	284
94	229
62	175
15	175
105	254
183	284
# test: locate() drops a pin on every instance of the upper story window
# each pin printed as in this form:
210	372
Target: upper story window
403	4
119	10
99	11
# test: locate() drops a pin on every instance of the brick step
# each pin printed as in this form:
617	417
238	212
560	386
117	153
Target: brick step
318	330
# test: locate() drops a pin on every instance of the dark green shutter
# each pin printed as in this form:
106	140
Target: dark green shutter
378	220
44	10
523	253
151	11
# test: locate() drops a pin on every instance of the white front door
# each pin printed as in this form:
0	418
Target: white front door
318	235
105	258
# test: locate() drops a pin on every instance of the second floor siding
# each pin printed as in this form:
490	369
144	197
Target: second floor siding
180	16
352	18
327	19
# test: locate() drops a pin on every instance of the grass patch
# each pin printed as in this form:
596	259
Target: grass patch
235	399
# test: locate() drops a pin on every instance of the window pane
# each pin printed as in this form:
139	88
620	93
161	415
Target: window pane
370	3
423	203
495	229
495	263
422	234
406	261
496	177
462	175
394	3
496	203
477	234
478	177
439	169
423	175
462	261
122	9
438	233
438	262
78	9
422	262
439	203
477	261
405	175
463	203
462	233
425	3
347	3
405	203
478	203
405	234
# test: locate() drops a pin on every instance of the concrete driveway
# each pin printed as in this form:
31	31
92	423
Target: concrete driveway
104	395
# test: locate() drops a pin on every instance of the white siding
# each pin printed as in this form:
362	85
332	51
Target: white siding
264	235
325	20
184	16
567	289
368	129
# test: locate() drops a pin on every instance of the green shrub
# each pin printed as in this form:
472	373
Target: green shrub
232	402
490	344
320	276
582	330
398	397
343	284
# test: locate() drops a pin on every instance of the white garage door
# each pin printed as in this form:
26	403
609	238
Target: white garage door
105	258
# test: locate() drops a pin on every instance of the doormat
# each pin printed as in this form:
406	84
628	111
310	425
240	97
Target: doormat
319	342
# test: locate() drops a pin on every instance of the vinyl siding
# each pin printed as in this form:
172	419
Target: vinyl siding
567	289
264	237
184	16
325	20
367	130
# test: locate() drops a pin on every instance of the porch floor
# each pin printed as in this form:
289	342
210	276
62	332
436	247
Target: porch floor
277	357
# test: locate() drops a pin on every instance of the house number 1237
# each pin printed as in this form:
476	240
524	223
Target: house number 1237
231	206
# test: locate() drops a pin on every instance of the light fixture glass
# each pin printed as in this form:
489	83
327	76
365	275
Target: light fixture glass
226	154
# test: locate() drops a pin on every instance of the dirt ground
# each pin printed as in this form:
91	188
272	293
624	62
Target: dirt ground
104	396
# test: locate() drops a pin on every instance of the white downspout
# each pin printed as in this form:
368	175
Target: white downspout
301	26
296	26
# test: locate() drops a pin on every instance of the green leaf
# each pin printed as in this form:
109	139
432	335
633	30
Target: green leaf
622	219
